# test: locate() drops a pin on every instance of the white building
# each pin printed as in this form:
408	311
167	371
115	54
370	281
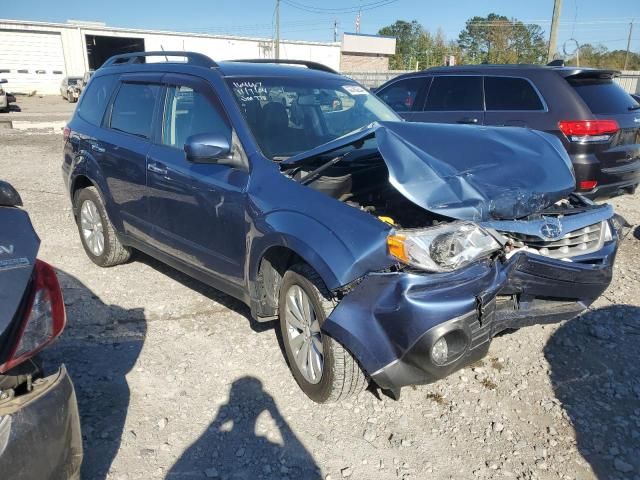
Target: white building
36	56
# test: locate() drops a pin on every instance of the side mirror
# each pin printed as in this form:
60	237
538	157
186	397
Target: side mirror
208	148
9	196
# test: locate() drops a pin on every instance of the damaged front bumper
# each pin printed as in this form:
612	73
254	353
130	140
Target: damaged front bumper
40	431
391	321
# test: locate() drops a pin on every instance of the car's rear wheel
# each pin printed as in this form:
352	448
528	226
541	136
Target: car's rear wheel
323	368
96	231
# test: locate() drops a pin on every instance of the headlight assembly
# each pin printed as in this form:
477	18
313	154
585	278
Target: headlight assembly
442	248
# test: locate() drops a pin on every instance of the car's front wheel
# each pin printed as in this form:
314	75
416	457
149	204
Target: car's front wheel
323	368
96	231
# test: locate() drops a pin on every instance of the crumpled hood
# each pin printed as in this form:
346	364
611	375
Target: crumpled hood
468	172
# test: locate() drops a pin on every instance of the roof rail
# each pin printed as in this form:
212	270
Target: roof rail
309	64
193	58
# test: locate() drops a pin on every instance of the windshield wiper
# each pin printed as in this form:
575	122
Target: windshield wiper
314	174
634	107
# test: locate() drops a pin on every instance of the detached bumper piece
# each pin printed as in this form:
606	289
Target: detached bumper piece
40	432
408	329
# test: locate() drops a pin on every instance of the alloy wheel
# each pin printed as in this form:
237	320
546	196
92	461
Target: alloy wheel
303	334
91	225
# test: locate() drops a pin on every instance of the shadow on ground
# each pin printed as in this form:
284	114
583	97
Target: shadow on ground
205	290
595	374
232	448
99	347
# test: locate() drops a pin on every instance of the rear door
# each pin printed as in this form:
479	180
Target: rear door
513	102
123	147
454	99
406	96
619	157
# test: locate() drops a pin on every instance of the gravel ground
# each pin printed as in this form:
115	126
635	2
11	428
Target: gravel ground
175	381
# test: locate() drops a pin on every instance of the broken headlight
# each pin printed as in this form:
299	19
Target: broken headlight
442	248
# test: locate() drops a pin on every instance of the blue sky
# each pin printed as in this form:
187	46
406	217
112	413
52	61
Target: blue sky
589	21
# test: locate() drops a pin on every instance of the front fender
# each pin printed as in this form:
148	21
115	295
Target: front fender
318	245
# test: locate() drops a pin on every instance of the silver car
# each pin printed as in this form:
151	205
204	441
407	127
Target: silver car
4	97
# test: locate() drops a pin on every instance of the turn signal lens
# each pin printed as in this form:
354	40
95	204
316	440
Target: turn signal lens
396	247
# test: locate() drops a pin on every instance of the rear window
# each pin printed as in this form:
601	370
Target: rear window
507	93
603	96
132	110
95	99
451	93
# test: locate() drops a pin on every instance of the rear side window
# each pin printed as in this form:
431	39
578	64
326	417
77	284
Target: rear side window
451	93
402	95
603	95
132	110
505	93
95	99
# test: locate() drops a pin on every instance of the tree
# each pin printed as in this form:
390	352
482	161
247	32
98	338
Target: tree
496	39
411	43
598	56
416	46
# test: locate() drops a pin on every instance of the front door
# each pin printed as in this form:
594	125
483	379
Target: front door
197	209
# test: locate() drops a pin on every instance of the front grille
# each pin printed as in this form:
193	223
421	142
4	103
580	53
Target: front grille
578	242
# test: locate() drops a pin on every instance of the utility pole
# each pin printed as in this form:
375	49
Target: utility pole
553	36
626	57
335	30
277	29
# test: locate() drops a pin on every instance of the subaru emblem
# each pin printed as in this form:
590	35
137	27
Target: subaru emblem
551	229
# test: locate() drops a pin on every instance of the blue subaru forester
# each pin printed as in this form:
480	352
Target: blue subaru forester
390	252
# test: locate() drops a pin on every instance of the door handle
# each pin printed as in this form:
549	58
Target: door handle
468	120
157	168
97	148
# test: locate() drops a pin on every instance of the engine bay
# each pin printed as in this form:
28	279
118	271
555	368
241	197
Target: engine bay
361	180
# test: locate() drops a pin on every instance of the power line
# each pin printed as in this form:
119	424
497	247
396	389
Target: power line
337	10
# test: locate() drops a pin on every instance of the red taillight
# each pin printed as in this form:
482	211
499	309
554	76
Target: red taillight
587	184
588	130
66	133
44	318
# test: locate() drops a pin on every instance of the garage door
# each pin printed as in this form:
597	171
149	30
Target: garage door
31	61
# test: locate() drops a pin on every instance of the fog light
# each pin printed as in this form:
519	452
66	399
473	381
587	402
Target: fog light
440	351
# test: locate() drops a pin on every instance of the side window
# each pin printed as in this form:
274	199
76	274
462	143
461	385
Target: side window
188	112
402	95
455	93
132	110
95	99
507	93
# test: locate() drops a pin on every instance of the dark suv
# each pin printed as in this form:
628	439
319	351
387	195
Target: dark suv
596	120
389	251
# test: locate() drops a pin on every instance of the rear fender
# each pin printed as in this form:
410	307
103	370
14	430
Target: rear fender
87	167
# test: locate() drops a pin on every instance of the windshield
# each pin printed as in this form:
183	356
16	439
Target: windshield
74	81
288	116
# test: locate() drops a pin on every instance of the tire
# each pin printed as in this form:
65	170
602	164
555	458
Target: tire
112	252
341	376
